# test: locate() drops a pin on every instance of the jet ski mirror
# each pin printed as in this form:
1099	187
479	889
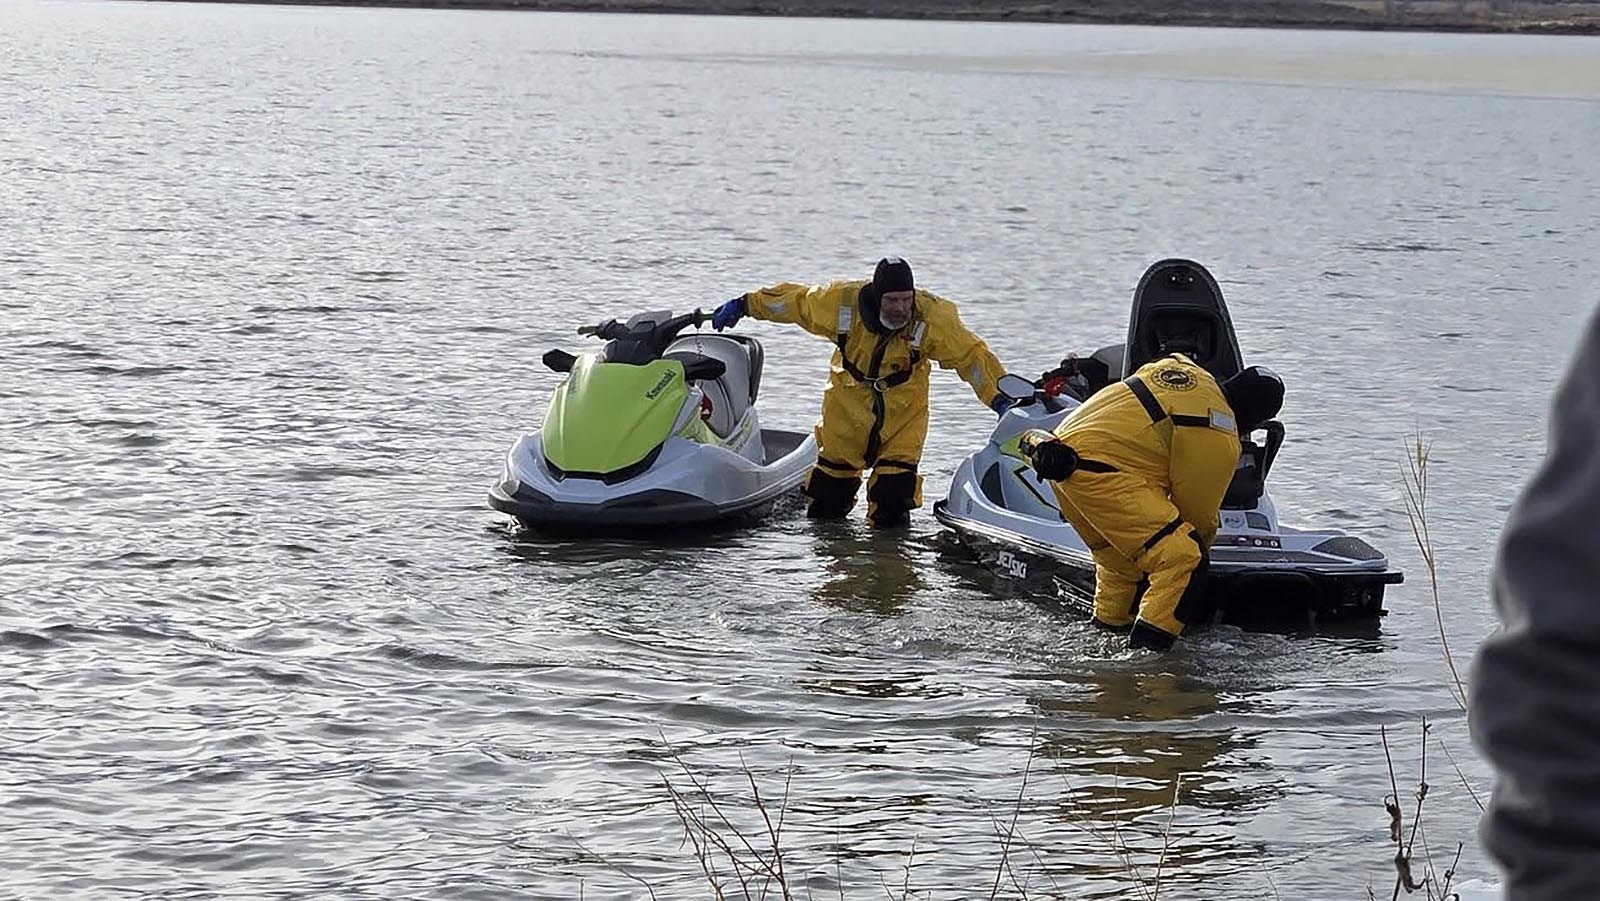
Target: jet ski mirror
559	360
1015	387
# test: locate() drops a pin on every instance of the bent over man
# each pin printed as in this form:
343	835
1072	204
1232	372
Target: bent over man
1140	471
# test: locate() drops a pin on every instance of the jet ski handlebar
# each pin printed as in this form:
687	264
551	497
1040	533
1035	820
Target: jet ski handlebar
611	328
663	332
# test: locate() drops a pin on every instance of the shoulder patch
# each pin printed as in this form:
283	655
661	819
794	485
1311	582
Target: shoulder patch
1175	378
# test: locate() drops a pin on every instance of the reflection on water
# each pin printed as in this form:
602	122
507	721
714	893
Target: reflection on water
1142	730
1142	765
866	570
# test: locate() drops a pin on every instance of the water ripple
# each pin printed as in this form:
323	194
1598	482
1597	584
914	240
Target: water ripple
260	636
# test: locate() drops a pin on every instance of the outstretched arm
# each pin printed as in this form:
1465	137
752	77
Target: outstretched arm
814	308
953	346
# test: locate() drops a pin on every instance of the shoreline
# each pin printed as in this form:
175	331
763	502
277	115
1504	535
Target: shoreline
1556	18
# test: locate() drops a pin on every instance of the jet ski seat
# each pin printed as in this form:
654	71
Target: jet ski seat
1178	308
732	393
1200	336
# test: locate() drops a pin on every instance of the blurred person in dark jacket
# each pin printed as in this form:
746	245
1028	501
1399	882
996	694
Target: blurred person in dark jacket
1535	696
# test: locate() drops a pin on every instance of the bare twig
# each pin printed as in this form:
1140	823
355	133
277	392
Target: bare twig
905	884
1011	829
1121	844
838	860
1391	801
1166	835
705	792
1450	874
707	832
1404	844
1460	775
1033	849
1112	840
694	829
774	833
1415	477
612	864
1005	870
1422	788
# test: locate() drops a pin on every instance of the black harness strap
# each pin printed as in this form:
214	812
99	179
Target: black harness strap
835	465
1147	399
1163	532
897	464
1095	466
878	384
871	378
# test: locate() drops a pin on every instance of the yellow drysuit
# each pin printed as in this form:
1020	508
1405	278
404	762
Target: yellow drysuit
875	408
1155	455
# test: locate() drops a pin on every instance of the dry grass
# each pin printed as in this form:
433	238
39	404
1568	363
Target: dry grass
1147	887
1414	475
724	852
1415	478
748	862
1433	882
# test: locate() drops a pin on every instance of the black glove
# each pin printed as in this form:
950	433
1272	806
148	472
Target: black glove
1053	460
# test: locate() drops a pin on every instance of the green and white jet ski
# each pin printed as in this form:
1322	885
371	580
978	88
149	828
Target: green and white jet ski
653	429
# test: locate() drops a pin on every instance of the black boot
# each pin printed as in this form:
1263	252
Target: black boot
831	497
890	499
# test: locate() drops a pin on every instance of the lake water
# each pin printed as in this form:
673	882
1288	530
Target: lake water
274	285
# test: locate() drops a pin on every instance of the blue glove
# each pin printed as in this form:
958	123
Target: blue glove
1000	404
729	313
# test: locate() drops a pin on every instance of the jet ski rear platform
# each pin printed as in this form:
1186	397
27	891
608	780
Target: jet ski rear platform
688	484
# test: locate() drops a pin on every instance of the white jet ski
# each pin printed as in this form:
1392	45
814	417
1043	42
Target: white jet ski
653	429
1262	571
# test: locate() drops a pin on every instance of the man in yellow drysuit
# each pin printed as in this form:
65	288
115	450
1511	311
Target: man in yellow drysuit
875	408
1140	471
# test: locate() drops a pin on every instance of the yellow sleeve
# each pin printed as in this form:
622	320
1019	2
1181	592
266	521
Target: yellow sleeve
1203	461
953	346
814	308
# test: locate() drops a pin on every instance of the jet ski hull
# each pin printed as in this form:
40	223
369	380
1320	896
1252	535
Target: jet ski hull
1266	591
687	483
1249	587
